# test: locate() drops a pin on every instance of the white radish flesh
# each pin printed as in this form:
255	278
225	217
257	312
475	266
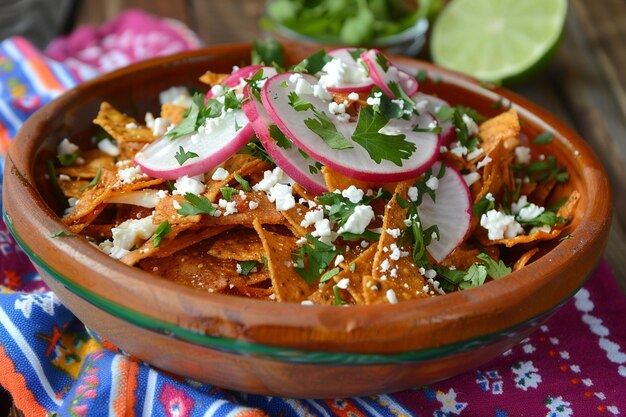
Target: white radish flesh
382	77
354	162
217	141
289	159
234	79
451	212
354	78
432	104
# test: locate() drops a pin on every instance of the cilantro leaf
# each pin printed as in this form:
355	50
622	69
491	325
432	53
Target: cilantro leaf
382	61
279	137
444	113
182	156
267	52
197	204
245	185
329	274
247	266
474	277
338	300
380	146
163	229
298	103
61	233
94	181
421	76
546	218
188	125
231	101
313	63
228	192
256	149
67	159
482	206
543	138
326	130
313	258
494	269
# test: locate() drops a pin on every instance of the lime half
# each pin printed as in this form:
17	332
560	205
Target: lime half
497	40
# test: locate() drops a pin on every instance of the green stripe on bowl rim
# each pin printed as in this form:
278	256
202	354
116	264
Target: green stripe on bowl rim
263	351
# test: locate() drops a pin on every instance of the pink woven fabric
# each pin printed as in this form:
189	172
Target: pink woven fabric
131	37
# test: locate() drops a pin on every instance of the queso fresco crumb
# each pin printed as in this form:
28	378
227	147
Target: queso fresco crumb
335	182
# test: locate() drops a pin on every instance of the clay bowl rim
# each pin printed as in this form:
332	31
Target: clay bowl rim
434	325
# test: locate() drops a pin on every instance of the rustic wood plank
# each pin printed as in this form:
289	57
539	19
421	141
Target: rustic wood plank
232	21
97	12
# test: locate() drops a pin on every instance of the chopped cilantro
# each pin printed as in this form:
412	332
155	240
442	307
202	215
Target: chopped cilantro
163	229
61	233
494	269
312	259
382	61
170	186
462	133
379	146
546	218
68	159
298	103
313	63
228	192
474	277
94	181
264	261
326	130
543	138
267	52
245	185
247	266
339	208
256	149
182	156
197	204
421	76
356	53
279	137
474	114
189	123
482	206
329	274
338	300
444	113
352	267
566	237
231	101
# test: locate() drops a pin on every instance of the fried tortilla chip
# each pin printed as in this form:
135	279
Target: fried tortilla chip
524	259
94	159
242	165
568	209
536	236
394	275
287	284
336	181
213	78
172	112
121	127
496	176
503	128
240	244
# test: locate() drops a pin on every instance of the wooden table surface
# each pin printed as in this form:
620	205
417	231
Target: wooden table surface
585	85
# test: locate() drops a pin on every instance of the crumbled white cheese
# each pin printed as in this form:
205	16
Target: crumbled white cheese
160	126
252	205
220	174
384	265
321	92
339	259
373	101
472	128
487	159
353	96
64	177
175	95
545	228
218	90
353	194
230	207
128	234
130	174
312	217
394	233
307	303
186	184
475	153
358	220
391	296
522	201
343	283
66	147
530	211
336	108
303	87
432	183
522	155
337	73
270	179
413	193
108	147
459	150
282	195
131	125
500	225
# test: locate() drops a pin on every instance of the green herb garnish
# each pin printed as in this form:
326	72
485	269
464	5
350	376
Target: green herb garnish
182	156
163	229
94	181
197	204
312	259
247	266
245	185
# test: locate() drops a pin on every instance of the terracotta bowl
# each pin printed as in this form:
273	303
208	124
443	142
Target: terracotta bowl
288	349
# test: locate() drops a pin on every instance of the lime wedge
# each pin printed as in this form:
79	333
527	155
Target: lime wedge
498	40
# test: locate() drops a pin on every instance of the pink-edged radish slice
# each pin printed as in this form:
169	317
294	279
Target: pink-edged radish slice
234	79
344	74
217	141
451	212
354	162
432	104
300	169
384	72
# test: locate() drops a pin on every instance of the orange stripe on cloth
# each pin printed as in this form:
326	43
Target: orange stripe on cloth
4	139
124	404
15	383
39	66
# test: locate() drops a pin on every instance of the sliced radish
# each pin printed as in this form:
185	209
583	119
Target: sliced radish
346	75
451	212
382	77
290	160
234	79
354	162
426	102
213	144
